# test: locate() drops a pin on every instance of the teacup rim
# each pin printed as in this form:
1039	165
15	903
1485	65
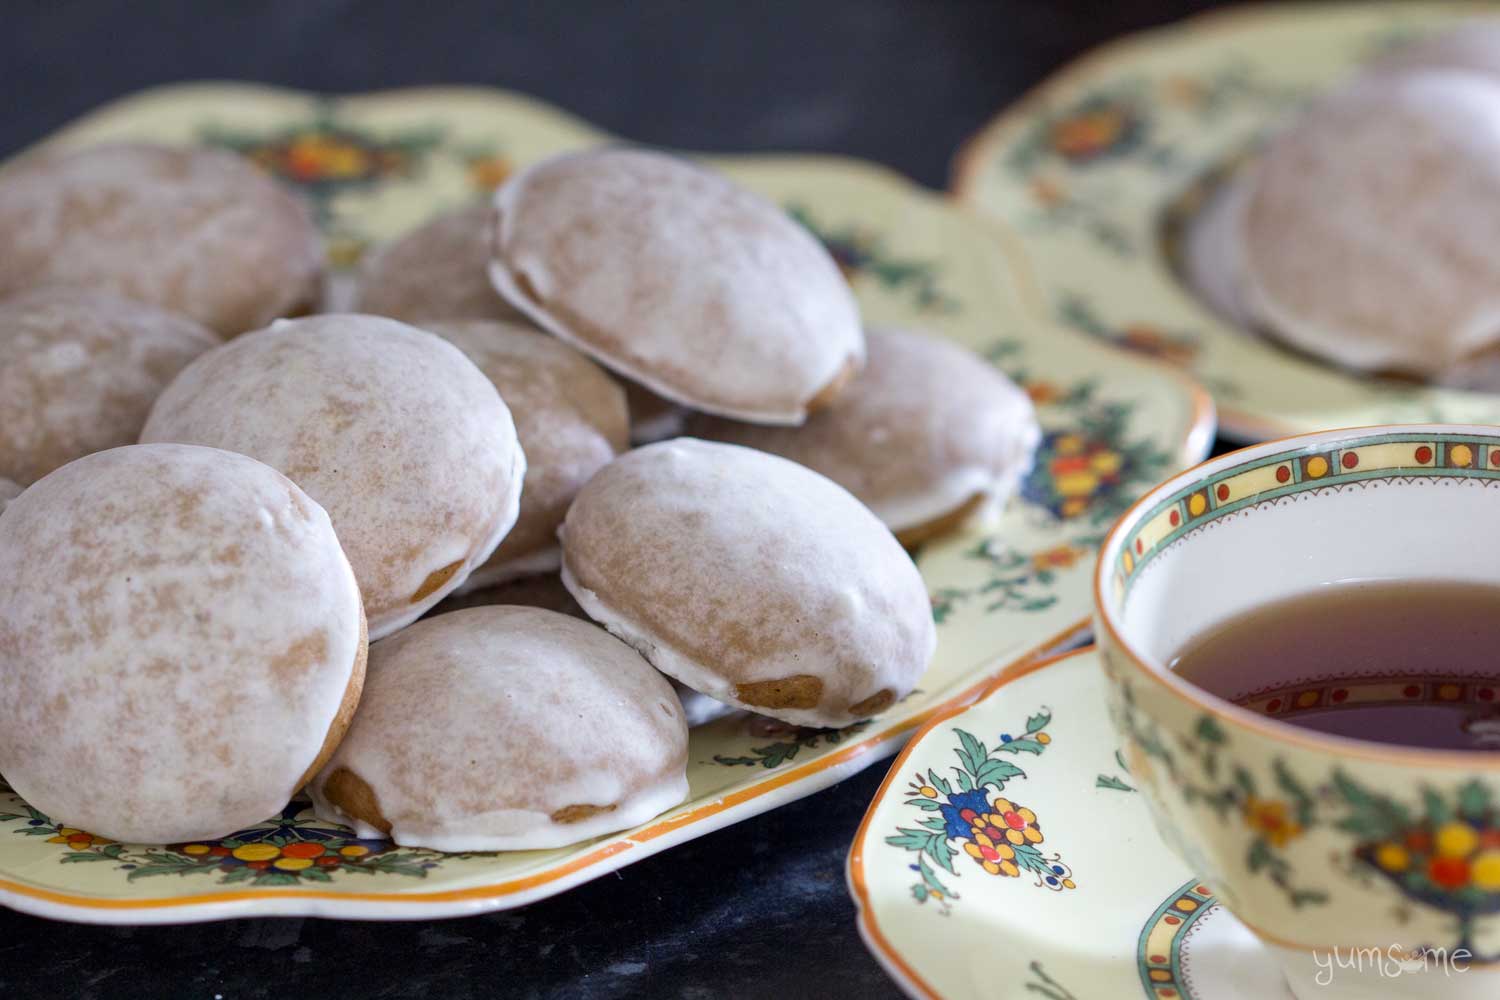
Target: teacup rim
1268	728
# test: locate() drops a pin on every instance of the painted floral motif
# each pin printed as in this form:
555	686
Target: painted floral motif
284	851
1443	853
1017	581
486	168
1001	836
795	739
1143	338
861	253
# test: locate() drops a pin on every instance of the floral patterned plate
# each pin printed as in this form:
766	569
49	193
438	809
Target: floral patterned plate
375	165
1007	855
1091	177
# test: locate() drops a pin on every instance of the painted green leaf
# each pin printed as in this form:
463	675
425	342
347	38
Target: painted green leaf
1022	745
1474	800
276	878
912	840
996	773
1437	809
972	751
1112	782
73	857
1038	722
1209	730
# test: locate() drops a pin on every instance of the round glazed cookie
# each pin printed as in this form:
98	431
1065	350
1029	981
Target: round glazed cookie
1472	45
571	420
440	270
183	643
391	428
10	490
196	231
1367	229
506	729
79	371
928	436
678	279
750	578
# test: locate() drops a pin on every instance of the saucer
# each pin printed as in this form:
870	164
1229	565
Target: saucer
1008	855
374	165
1091	183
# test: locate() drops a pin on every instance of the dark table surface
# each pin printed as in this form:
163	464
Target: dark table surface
756	910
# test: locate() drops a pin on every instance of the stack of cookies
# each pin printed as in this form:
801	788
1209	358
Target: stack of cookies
406	556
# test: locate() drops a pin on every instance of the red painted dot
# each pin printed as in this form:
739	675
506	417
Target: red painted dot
1340	694
1158	960
1495	457
1202	890
1274	705
1173	921
1174	518
1350	459
1166	991
1486	694
1222	492
1424	455
1139	547
1014	821
1411	691
1283	473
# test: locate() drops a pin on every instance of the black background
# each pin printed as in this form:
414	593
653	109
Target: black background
757	910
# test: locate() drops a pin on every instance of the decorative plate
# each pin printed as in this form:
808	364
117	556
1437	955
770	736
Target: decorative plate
1007	855
1091	177
375	165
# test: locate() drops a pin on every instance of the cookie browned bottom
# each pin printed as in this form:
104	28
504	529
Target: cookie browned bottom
345	714
943	524
827	395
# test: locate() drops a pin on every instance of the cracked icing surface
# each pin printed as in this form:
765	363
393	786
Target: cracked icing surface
197	231
393	430
178	630
571	420
508	728
439	270
79	371
749	578
675	277
926	428
1368	227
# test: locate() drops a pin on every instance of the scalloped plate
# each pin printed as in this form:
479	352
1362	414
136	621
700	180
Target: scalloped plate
375	165
1089	176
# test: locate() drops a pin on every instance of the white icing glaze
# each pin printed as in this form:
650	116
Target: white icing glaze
178	629
492	573
726	566
703	292
1369	223
79	371
1472	45
571	420
439	270
477	726
699	708
926	427
197	231
10	490
392	429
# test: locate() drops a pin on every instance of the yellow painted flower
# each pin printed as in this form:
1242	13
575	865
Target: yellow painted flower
1393	857
256	852
1057	557
1272	819
1088	133
1486	870
1456	840
488	172
77	840
1042	393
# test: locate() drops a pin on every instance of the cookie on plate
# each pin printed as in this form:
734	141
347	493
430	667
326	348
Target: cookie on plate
183	641
1365	234
391	428
928	437
750	578
1472	45
79	371
196	231
439	270
676	278
506	729
571	420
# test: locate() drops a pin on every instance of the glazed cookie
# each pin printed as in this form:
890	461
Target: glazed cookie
391	428
676	278
1366	231
1473	45
571	420
79	371
927	437
183	643
506	729
196	231
437	271
10	490
750	578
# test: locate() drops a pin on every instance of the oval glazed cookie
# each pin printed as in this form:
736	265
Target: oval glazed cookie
675	277
1367	228
751	579
439	270
927	437
391	428
571	420
79	371
196	231
505	729
183	643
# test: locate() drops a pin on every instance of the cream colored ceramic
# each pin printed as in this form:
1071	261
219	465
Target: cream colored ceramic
376	165
1089	905
1323	845
1091	179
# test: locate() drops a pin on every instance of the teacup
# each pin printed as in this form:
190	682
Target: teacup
1368	869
